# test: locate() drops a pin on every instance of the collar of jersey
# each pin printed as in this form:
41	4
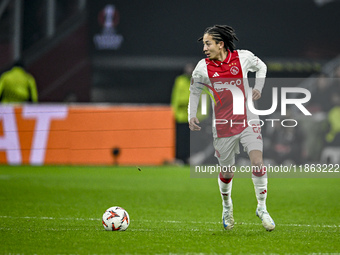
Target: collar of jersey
226	61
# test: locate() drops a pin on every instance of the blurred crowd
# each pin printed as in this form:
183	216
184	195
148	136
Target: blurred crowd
316	138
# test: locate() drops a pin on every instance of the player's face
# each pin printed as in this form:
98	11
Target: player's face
212	49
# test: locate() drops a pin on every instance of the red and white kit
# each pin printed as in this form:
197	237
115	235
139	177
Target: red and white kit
233	72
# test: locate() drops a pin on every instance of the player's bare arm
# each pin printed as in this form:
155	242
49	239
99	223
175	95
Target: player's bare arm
193	124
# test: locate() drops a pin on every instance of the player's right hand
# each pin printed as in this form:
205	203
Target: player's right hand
193	124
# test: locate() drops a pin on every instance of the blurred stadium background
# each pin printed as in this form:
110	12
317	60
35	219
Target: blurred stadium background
110	66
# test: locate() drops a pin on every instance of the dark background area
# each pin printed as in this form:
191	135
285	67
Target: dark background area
285	31
294	38
293	29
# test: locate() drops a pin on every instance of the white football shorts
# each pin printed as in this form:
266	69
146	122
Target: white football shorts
227	147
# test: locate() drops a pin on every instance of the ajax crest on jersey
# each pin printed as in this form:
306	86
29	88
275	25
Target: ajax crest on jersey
116	219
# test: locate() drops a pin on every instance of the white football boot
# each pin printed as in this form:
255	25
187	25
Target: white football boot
267	221
227	217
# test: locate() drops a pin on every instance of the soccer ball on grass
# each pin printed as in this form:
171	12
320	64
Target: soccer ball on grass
116	219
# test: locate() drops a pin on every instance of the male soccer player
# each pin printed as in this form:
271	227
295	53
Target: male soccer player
226	65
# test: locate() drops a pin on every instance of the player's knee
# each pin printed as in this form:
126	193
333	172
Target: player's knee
227	175
257	162
257	167
227	172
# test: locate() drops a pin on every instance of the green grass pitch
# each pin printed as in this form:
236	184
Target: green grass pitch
58	209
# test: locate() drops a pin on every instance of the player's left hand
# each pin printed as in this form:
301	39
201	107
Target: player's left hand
256	94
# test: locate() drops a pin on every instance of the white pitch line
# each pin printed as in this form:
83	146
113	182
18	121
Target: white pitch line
48	218
168	221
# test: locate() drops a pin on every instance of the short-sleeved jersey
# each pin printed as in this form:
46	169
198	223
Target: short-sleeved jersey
226	82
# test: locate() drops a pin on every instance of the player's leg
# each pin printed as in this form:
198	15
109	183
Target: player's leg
259	177
260	180
252	141
225	149
225	183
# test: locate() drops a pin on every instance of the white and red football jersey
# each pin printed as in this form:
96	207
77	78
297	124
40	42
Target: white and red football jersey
232	71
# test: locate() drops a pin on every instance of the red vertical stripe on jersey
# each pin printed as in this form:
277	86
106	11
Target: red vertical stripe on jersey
227	71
